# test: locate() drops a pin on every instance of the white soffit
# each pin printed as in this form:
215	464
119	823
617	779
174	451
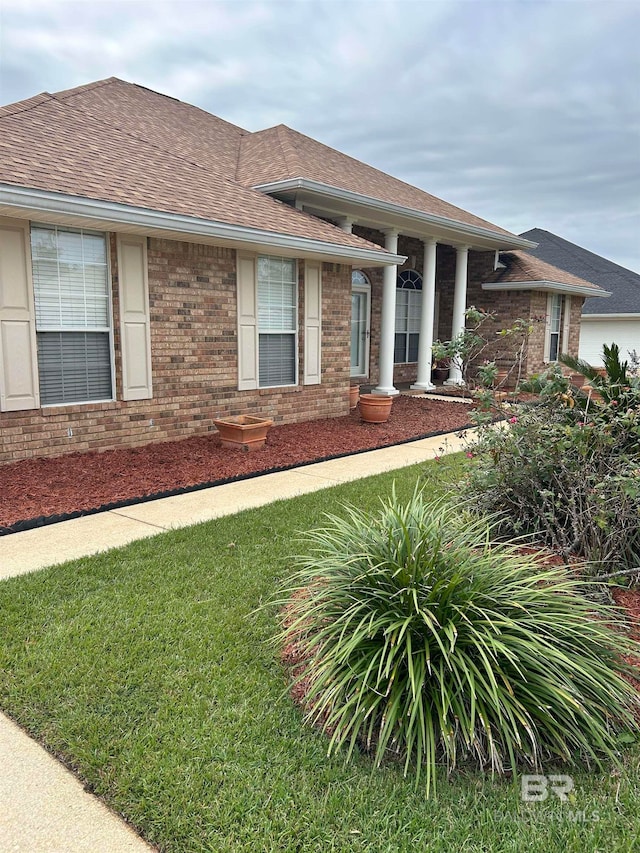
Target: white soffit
576	289
61	209
372	212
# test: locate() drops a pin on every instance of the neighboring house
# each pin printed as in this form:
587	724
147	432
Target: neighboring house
160	267
612	320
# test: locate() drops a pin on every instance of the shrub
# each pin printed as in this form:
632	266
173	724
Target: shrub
568	468
427	640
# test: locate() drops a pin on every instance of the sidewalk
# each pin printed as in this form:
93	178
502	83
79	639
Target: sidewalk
44	808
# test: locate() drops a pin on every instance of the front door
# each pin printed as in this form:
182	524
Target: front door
360	331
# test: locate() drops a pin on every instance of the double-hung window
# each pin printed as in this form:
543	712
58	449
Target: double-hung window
277	321
408	310
554	326
73	314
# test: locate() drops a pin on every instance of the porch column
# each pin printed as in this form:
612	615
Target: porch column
388	321
425	341
459	307
346	224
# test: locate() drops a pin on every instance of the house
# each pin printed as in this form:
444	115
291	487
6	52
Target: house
613	320
160	267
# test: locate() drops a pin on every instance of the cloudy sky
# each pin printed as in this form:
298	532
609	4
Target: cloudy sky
525	112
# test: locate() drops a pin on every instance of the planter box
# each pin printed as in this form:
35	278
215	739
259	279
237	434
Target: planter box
243	432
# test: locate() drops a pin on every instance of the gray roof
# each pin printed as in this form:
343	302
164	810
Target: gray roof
624	284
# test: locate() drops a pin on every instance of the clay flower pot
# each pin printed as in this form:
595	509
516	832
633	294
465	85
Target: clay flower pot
375	408
243	432
354	393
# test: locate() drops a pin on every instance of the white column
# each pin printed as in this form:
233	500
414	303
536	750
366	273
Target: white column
425	342
388	321
459	308
346	224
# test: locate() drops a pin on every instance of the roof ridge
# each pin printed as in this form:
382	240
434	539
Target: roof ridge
281	133
26	104
138	137
63	94
70	93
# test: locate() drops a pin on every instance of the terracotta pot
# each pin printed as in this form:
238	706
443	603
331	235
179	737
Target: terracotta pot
354	393
375	408
243	432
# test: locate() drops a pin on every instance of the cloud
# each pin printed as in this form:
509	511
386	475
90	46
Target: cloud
525	113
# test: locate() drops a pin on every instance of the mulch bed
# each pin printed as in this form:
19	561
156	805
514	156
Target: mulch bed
40	491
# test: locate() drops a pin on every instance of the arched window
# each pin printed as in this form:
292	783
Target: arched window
358	277
408	310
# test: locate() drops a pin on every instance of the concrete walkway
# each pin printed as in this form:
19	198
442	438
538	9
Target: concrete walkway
43	807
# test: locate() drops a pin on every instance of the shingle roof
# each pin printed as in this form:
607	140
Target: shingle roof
624	284
118	142
524	267
114	141
281	153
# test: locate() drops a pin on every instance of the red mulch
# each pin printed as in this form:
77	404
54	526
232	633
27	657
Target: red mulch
79	482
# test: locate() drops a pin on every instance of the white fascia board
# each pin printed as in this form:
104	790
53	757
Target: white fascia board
43	202
628	316
505	241
576	289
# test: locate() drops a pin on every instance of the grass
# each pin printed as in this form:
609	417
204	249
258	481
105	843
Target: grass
148	671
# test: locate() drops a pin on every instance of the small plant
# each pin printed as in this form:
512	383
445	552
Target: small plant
476	351
425	639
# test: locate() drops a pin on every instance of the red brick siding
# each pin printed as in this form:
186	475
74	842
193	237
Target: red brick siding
535	356
192	294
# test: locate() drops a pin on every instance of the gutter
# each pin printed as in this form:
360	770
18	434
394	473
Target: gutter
506	241
621	316
579	290
42	201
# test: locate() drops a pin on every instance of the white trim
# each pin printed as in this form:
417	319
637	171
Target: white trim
543	284
364	288
505	240
566	323
312	323
631	316
30	200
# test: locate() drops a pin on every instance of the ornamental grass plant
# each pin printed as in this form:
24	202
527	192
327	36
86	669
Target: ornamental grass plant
425	640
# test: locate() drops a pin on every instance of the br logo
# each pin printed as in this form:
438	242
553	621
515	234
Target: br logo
535	788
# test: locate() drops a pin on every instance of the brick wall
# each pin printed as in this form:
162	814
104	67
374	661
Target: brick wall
192	293
535	356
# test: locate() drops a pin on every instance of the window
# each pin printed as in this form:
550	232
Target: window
555	307
73	316
408	310
277	321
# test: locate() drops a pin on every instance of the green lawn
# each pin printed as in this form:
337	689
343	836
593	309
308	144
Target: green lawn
149	672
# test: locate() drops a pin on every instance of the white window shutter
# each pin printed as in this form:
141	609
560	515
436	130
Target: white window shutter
18	354
312	323
134	317
247	323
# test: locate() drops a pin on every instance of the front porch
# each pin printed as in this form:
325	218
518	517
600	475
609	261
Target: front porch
397	313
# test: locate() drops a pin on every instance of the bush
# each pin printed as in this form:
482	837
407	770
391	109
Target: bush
425	639
568	468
